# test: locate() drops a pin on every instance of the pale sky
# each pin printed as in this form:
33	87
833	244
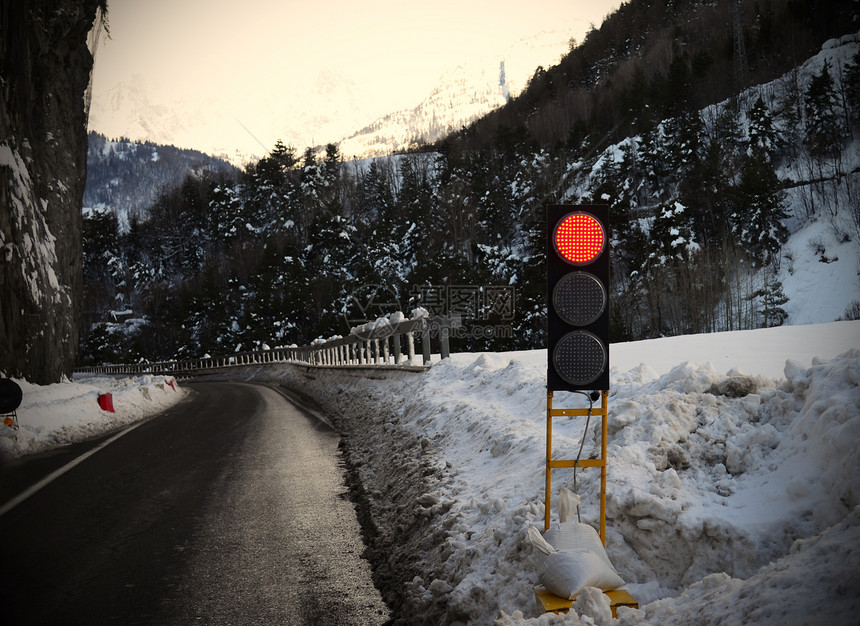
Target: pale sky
392	49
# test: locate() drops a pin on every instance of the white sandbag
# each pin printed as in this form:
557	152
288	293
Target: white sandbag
534	537
568	502
567	572
576	536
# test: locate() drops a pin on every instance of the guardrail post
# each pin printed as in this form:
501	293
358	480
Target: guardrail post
410	347
397	352
444	330
425	343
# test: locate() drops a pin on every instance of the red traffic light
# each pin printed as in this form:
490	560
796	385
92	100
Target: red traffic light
577	314
579	238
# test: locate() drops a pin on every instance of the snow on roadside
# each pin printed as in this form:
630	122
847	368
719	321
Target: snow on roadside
815	583
55	415
713	473
733	487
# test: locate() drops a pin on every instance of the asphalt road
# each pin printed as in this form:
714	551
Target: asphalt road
229	508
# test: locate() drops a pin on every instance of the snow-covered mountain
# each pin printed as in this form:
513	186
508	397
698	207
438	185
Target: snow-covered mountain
318	109
127	176
132	110
462	95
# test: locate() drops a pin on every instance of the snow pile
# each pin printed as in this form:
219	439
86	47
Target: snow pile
725	472
60	414
713	475
816	583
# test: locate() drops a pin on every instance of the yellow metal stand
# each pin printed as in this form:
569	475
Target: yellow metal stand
545	598
570	463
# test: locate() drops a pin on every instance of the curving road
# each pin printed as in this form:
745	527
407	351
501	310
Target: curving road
229	508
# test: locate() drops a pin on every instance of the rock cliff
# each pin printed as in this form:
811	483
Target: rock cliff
45	66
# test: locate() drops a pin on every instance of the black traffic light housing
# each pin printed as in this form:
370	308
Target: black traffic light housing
578	297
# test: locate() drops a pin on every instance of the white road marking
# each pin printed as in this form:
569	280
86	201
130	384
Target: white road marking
47	480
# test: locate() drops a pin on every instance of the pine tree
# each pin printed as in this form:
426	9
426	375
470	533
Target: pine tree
331	258
207	313
657	160
311	192
728	136
764	139
226	213
824	131
825	134
332	192
677	92
375	199
710	183
758	221
773	298
269	194
790	112
672	236
267	290
100	245
283	156
851	82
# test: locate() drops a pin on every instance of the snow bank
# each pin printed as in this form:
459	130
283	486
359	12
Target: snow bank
815	583
713	475
60	414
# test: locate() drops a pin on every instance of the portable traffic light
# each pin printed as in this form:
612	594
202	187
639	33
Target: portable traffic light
578	293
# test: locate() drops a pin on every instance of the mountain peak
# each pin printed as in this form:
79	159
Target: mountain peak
460	96
318	108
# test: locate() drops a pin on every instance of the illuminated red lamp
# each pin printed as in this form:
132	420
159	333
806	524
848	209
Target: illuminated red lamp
577	272
579	238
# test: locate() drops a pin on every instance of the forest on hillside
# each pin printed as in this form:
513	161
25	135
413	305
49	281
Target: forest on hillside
656	59
132	174
297	246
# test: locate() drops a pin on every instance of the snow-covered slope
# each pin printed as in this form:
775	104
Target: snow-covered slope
819	265
127	177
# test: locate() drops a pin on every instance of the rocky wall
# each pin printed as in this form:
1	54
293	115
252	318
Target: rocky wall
45	68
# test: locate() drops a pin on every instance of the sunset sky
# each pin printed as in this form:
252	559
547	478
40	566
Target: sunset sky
237	51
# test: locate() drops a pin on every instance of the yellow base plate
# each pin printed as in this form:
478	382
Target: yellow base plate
556	604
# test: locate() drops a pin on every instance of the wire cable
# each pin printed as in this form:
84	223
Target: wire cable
581	444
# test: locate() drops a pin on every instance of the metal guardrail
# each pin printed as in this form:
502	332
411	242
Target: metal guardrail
385	345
